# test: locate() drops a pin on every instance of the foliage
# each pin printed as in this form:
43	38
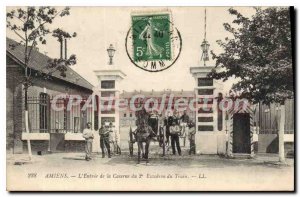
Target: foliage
30	24
259	55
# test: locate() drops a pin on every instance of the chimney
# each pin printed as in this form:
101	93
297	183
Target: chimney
63	48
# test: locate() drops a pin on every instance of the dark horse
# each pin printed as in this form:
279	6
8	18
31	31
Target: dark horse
143	135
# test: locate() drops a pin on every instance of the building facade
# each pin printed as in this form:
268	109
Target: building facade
43	119
166	100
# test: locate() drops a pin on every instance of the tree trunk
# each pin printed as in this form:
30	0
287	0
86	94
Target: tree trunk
27	123
27	131
164	140
281	134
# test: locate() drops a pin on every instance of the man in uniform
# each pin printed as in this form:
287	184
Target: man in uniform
191	136
175	132
175	117
88	135
168	123
112	138
153	123
104	139
184	120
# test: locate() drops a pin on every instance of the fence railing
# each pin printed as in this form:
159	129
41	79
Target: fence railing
269	118
43	118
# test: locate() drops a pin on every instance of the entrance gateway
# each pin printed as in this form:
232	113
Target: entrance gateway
215	133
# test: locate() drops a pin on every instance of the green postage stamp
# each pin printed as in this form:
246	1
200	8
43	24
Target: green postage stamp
151	37
152	42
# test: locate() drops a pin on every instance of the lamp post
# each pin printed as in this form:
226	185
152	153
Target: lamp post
205	45
205	48
111	51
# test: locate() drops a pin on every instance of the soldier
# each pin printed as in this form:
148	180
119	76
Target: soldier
117	142
112	138
104	140
184	120
153	122
175	117
175	131
168	123
191	137
88	135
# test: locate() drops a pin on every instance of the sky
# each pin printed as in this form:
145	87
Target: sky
98	27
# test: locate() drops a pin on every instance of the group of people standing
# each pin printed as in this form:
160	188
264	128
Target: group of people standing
109	140
175	126
179	126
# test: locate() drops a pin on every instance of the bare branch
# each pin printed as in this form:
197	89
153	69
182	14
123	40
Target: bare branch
19	35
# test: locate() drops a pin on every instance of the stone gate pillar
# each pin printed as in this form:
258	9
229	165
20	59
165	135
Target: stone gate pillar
210	131
108	87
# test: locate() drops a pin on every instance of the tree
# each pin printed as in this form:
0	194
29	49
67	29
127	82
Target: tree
30	24
259	55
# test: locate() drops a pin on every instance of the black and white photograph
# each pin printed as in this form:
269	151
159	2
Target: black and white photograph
150	98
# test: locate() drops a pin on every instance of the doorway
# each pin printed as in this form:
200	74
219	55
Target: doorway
241	133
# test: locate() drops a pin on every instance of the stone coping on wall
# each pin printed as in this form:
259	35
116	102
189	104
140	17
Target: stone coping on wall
46	136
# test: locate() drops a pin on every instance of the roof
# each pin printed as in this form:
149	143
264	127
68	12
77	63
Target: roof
40	61
182	93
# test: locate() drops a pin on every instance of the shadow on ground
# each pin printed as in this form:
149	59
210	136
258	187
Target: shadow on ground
193	161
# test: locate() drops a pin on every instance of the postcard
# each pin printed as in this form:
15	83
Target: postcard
150	98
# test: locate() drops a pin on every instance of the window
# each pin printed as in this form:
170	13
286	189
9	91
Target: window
66	115
124	115
44	112
206	110
108	111
130	115
76	124
205	128
108	84
205	100
107	119
107	93
205	91
205	119
205	82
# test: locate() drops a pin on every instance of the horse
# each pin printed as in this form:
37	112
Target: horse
143	135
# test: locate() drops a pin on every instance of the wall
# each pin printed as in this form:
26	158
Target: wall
36	145
15	103
268	143
43	146
14	107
